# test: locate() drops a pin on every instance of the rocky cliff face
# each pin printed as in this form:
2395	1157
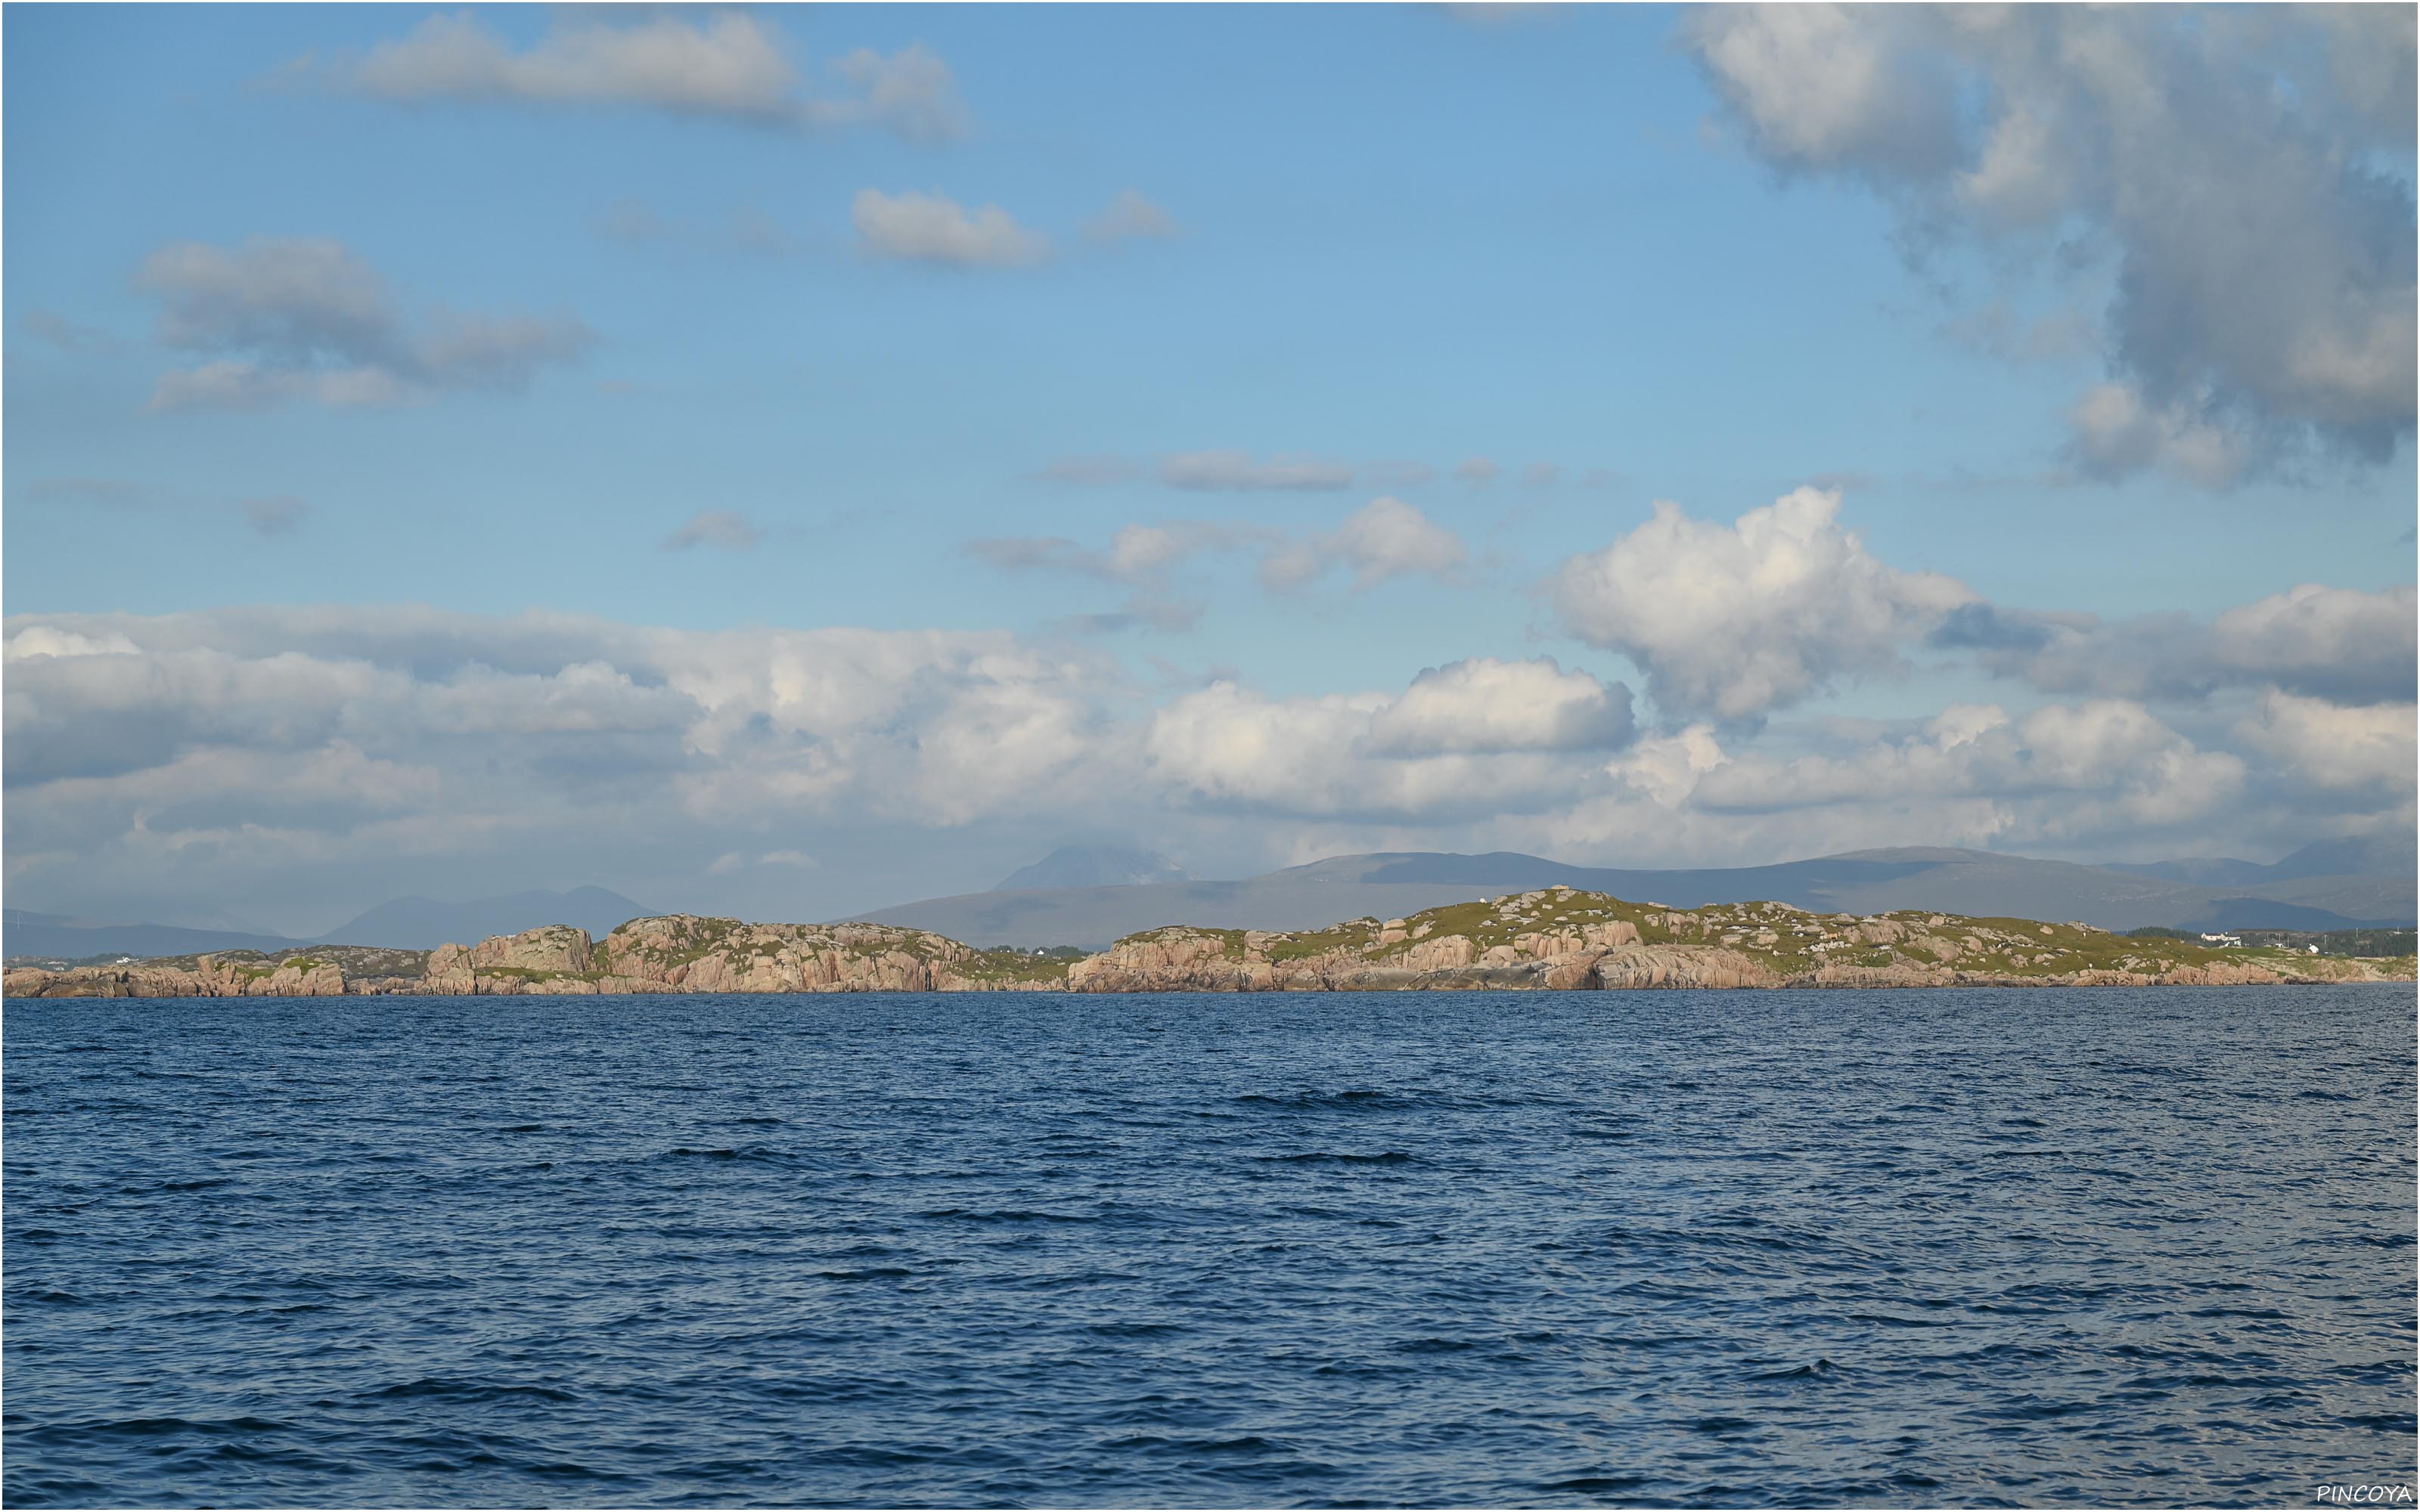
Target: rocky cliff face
208	977
1556	940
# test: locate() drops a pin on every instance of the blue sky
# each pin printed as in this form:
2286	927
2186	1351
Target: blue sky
613	274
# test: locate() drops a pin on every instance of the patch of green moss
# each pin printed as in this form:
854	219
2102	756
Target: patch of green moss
1012	965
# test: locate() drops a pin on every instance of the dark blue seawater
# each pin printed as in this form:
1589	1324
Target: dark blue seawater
1913	1247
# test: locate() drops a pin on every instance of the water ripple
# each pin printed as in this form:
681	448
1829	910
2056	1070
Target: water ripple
1961	1247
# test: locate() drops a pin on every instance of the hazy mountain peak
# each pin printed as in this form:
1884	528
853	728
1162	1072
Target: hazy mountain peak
1093	866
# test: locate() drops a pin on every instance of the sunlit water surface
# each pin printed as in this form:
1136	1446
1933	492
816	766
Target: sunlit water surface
2097	1246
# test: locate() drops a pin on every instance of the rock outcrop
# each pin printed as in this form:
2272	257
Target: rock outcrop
1553	940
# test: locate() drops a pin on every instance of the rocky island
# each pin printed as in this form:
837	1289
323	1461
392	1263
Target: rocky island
1554	939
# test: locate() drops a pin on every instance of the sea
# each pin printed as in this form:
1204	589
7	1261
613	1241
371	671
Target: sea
1990	1247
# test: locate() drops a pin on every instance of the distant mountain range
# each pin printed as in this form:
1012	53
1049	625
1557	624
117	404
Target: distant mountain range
60	936
2291	894
2354	857
1062	900
405	923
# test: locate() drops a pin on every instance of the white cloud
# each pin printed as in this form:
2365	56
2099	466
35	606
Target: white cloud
305	753
1239	471
933	228
1131	217
928	726
2373	748
721	63
1741	621
1483	704
2096	773
1473	737
1383	540
2186	155
306	319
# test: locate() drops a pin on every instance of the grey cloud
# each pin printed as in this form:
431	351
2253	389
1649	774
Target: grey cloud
1979	627
293	319
68	335
2340	644
1383	540
911	92
1235	470
1142	558
2207	152
279	515
119	492
934	228
1131	217
722	529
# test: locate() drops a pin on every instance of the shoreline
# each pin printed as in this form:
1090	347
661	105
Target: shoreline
1554	939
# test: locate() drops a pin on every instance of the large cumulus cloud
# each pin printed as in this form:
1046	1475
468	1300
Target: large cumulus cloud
1472	739
2237	181
1735	622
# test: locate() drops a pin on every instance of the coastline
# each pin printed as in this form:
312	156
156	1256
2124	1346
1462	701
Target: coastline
1553	939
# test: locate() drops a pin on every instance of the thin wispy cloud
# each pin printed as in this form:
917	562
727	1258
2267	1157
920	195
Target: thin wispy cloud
1240	472
1130	217
724	529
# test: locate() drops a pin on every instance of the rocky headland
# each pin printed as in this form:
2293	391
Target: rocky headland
1554	939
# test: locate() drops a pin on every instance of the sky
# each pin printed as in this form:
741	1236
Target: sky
788	462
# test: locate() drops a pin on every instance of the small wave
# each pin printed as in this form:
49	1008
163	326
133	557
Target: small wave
1327	1157
154	1427
1356	1102
443	1388
1593	1485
